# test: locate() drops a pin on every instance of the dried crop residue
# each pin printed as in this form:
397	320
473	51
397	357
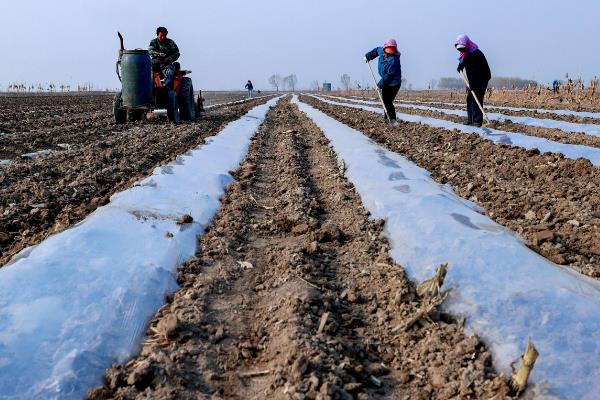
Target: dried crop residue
553	203
47	194
293	296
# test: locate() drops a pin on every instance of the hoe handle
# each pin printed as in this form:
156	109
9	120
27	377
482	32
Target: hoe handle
462	74
378	91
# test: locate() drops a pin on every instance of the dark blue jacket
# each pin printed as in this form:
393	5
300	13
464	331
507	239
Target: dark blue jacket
389	67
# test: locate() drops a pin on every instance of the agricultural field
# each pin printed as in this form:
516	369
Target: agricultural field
527	190
62	156
295	246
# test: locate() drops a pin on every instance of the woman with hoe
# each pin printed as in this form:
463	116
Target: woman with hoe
391	76
478	74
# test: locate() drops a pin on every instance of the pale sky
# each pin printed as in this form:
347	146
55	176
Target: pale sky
227	42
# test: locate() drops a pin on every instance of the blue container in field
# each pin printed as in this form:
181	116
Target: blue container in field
136	78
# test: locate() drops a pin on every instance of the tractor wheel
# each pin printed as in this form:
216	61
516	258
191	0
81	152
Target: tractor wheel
187	105
172	109
119	112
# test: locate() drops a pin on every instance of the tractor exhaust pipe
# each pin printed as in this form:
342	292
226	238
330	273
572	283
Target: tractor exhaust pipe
120	55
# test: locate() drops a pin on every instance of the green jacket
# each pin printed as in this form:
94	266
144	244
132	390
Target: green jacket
168	47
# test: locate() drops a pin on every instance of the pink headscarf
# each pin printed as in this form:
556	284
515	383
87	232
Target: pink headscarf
391	43
464	40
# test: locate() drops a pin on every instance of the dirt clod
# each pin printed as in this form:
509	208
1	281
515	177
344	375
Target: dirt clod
185	219
328	233
543	236
169	326
142	375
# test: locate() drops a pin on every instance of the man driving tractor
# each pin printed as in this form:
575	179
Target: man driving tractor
164	53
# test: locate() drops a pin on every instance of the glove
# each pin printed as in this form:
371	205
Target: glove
366	60
460	68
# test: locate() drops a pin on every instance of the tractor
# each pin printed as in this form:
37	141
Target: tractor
143	94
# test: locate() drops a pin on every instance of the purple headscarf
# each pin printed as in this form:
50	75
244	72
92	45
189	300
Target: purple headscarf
464	40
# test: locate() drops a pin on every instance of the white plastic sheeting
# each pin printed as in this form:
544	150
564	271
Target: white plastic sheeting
80	300
236	102
572	151
572	127
582	114
38	154
507	291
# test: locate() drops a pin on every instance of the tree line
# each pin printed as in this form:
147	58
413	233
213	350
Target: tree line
51	87
497	82
290	82
284	83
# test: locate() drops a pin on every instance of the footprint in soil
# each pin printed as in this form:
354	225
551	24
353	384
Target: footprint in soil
388	162
402	188
397	176
498	137
464	220
385	160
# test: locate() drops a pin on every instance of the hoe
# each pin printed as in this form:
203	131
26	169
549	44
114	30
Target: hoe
464	76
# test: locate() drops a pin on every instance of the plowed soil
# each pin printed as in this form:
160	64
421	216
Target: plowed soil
293	295
553	203
91	158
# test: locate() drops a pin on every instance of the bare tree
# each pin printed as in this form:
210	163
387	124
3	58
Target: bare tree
290	82
275	81
314	86
345	81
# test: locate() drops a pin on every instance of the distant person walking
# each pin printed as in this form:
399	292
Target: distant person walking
473	61
250	88
391	75
555	86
